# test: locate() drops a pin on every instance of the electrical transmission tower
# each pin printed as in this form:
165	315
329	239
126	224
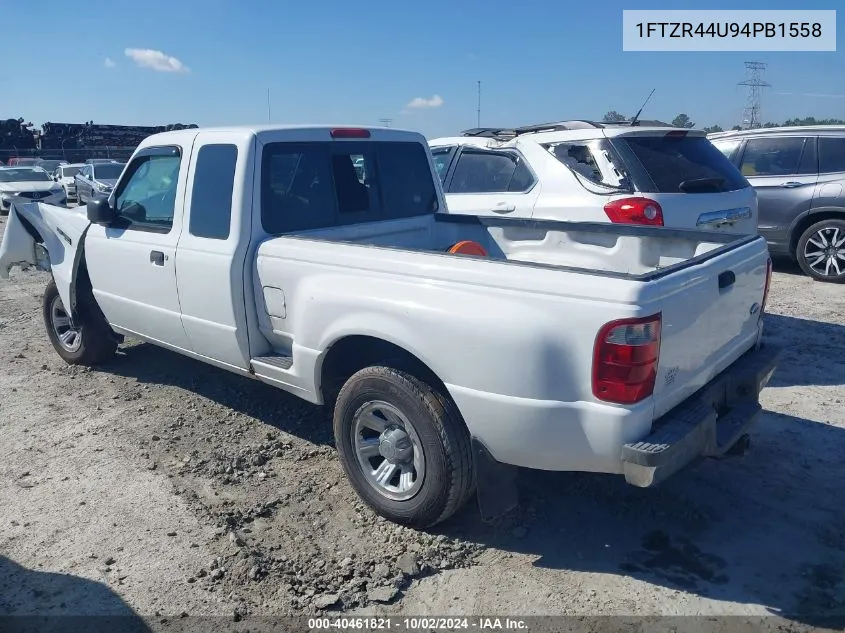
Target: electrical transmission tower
751	115
386	122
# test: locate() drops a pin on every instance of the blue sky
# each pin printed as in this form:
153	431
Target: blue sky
358	62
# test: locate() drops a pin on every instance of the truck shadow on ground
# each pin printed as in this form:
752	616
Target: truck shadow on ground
803	340
153	365
48	602
767	528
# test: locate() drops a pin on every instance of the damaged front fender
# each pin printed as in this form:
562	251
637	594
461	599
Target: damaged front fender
48	237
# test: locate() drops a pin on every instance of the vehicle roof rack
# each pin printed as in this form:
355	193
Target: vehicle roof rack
509	133
490	132
576	124
559	126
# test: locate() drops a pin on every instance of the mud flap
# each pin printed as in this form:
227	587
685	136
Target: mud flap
495	483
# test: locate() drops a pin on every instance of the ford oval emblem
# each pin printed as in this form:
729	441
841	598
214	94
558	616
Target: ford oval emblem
755	308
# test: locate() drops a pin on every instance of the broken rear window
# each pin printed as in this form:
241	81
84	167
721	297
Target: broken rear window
593	160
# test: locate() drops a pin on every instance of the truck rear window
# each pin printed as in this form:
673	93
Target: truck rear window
678	164
318	185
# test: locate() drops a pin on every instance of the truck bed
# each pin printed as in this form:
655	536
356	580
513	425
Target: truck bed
613	250
542	281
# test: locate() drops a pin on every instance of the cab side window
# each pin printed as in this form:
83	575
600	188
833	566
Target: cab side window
211	194
146	198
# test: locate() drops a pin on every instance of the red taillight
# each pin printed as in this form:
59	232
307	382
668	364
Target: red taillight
350	132
625	360
676	134
634	211
768	284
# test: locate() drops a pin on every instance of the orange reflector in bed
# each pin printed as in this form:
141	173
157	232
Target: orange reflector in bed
468	247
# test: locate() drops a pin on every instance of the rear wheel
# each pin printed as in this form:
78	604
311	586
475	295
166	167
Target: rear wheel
403	446
88	341
821	251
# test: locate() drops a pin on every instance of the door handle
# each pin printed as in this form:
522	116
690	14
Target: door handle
792	184
157	258
504	207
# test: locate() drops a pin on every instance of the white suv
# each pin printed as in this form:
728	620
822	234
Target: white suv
65	176
594	172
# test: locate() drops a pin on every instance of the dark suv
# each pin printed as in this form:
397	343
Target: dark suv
799	176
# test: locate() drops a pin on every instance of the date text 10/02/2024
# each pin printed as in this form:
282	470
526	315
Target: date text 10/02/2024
416	623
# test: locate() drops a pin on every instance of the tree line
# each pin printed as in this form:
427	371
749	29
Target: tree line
683	120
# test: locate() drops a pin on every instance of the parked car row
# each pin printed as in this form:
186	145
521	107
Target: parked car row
65	181
799	175
96	179
785	183
29	183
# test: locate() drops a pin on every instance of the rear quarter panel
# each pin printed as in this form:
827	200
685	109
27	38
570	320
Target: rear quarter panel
496	327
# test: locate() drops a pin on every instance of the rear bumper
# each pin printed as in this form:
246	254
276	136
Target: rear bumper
706	425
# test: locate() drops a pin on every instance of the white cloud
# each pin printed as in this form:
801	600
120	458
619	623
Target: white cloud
109	63
419	103
156	60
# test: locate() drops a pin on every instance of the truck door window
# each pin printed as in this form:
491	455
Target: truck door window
146	197
211	195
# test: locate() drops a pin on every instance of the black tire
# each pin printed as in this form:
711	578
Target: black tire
826	228
448	479
96	340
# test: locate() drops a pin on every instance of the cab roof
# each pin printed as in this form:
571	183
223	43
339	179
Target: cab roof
303	133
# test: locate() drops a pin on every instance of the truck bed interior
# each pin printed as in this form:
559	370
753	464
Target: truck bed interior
613	249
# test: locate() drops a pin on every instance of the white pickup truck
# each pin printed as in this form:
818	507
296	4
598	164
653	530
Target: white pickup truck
451	348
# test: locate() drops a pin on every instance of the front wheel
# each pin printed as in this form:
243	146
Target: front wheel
89	341
821	251
403	446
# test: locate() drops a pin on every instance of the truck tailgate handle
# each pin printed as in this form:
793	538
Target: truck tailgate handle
726	279
157	258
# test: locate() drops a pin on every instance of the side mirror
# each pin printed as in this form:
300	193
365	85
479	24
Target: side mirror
100	211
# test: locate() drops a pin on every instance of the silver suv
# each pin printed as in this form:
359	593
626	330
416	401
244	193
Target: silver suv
799	176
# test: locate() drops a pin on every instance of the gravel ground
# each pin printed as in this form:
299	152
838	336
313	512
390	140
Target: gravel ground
161	486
